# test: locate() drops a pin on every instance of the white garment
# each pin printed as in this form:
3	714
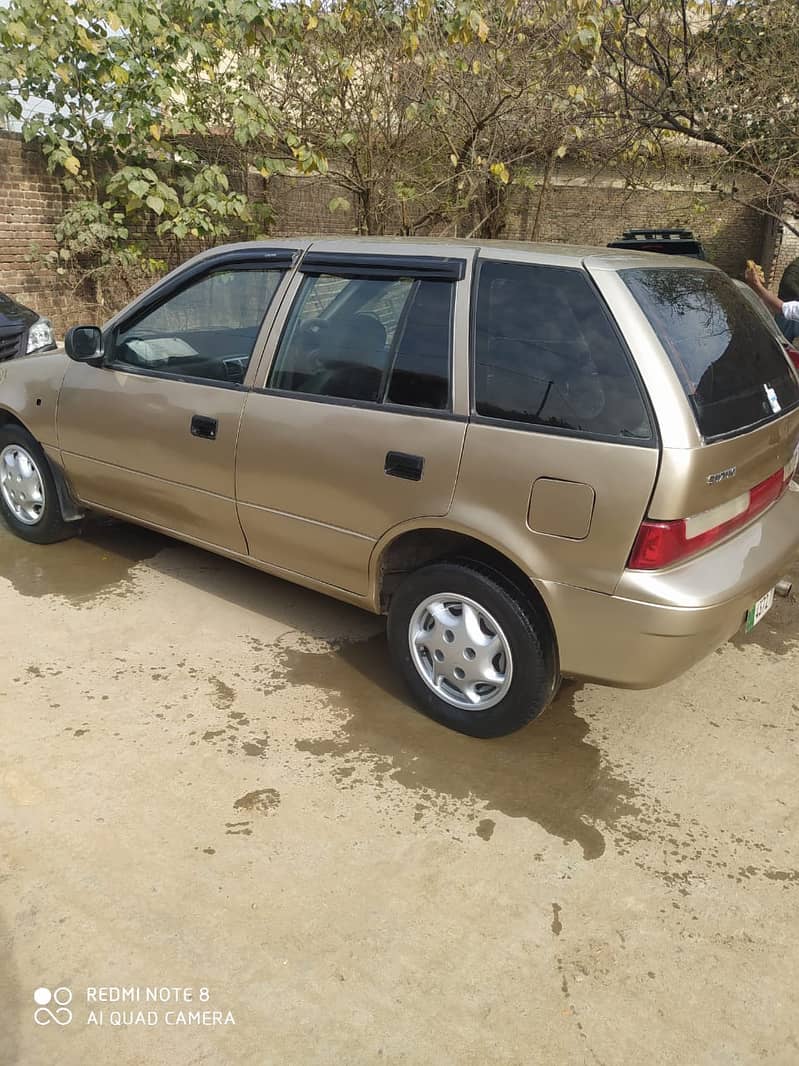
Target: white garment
790	310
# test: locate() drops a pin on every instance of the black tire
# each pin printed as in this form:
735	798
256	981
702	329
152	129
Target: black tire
535	675
50	527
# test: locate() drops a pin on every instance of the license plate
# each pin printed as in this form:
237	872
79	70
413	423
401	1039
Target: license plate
763	606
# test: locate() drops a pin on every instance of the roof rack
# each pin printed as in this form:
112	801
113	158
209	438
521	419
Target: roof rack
668	241
657	234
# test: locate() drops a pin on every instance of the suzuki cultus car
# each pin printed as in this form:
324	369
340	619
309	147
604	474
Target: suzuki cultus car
536	460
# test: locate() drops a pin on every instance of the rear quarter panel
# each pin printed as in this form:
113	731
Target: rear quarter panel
492	499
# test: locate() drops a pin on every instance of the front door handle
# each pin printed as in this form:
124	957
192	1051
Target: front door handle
400	464
203	427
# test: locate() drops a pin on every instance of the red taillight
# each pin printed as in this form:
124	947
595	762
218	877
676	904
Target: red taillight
660	544
792	354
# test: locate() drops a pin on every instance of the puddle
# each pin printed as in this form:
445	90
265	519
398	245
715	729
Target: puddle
548	773
79	570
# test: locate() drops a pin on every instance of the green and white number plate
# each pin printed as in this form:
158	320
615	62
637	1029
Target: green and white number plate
763	606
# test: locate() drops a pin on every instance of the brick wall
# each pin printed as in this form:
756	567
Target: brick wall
30	206
577	209
573	211
788	251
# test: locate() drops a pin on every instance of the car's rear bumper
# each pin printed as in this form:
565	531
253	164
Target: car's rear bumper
658	624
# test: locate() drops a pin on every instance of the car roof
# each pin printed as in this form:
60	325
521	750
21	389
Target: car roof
551	253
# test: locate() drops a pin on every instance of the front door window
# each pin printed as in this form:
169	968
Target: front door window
205	331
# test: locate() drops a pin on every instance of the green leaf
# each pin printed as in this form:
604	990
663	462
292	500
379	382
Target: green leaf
156	203
17	31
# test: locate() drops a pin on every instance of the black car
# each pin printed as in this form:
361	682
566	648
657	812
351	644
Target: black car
22	331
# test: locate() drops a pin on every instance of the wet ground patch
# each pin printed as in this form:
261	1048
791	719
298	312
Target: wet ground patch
95	564
549	773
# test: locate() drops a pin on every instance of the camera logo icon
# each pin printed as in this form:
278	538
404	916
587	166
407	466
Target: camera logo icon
52	1006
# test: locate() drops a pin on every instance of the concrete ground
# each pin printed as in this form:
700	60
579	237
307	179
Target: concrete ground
210	780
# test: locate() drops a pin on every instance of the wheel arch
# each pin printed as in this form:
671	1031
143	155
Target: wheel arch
71	511
10	418
404	550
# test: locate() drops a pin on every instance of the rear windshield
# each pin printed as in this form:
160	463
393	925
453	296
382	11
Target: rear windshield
731	366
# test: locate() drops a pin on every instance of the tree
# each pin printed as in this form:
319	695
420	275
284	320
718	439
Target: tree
429	114
718	73
131	87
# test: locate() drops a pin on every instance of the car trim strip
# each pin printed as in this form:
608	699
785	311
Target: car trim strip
348	265
189	379
371	405
266	259
240	502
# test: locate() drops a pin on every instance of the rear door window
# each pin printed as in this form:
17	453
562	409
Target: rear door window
731	366
370	339
547	355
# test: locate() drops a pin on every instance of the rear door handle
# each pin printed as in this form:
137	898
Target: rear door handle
400	464
203	427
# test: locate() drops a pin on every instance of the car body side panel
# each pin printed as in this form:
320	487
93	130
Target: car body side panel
311	485
127	445
258	564
29	390
155	501
498	470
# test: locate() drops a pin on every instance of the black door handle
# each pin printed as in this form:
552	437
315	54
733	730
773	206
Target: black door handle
400	464
203	427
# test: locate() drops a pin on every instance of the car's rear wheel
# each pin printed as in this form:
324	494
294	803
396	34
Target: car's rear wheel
477	656
28	497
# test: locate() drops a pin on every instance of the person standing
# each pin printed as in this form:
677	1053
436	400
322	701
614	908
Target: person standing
786	311
787	292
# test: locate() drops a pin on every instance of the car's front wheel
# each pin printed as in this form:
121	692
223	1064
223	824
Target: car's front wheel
477	656
28	497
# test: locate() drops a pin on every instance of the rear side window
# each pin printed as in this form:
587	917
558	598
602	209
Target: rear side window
377	340
729	363
546	354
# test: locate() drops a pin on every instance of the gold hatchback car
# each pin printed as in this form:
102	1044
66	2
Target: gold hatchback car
537	460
